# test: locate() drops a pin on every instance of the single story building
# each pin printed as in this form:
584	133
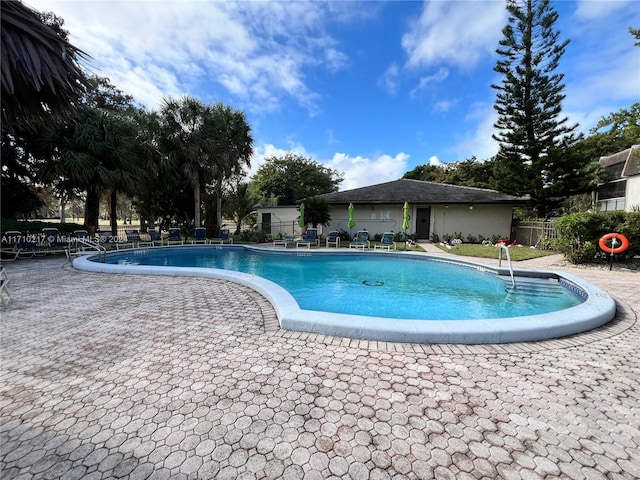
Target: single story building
621	191
434	209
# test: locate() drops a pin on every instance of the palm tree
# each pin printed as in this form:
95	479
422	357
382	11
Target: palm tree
184	140
241	203
316	211
99	151
41	77
233	148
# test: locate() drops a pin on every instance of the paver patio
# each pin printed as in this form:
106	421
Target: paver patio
122	376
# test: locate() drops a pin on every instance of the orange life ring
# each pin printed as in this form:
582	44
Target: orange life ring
624	243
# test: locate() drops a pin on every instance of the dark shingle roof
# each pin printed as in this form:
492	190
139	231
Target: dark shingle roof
416	191
630	157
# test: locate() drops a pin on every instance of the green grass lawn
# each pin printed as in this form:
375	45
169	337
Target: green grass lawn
476	250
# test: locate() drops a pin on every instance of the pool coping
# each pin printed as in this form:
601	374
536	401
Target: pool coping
598	308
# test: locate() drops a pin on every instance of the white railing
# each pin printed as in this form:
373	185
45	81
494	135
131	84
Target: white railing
87	245
506	249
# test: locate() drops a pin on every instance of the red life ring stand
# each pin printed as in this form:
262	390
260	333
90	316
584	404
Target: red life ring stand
624	243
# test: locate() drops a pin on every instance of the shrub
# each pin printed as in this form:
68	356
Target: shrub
579	233
256	236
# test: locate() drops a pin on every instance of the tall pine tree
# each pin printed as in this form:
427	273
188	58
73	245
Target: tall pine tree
534	140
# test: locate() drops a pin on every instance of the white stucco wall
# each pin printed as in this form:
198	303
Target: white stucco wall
485	220
632	194
373	218
283	219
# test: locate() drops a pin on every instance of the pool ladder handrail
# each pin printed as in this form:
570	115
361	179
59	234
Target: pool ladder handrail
506	249
102	252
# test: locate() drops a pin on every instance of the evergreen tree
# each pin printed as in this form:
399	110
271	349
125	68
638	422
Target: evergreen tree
533	136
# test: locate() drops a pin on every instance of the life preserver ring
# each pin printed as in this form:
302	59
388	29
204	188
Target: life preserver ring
624	243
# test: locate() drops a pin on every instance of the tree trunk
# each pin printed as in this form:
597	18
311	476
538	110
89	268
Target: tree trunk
219	203
92	210
113	212
63	203
196	202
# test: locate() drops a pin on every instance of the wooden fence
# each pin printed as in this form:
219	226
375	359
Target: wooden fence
531	233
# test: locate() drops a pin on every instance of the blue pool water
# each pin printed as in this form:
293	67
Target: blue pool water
380	285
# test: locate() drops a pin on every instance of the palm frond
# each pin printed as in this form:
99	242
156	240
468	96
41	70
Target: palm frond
41	76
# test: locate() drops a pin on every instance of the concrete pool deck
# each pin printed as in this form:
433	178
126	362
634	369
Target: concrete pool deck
125	376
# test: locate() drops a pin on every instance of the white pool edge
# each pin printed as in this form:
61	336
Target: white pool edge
598	309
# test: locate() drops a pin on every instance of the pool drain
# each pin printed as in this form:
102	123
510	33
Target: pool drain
373	283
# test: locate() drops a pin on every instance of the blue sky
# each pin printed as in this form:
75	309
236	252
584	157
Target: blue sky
371	89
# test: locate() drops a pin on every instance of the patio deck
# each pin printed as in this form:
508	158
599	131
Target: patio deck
122	376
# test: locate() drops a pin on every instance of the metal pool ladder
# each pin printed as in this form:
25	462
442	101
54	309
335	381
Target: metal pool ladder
102	252
506	249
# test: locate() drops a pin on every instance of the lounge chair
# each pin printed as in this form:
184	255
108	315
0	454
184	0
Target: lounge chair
311	237
200	235
333	239
54	242
17	245
284	242
175	237
5	295
154	235
223	236
133	240
361	240
386	242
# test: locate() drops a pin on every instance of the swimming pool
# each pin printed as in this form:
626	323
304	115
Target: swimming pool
392	297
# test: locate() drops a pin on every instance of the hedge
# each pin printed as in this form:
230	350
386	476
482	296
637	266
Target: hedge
579	234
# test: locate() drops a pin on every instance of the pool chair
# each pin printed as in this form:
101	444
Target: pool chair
284	242
333	239
133	240
175	237
361	240
223	236
16	245
200	235
5	295
154	235
53	241
309	238
386	242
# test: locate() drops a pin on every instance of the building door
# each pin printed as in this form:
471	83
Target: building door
423	219
266	222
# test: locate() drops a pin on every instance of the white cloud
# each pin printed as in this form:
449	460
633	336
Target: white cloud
357	171
590	9
458	33
434	161
256	51
478	141
389	79
363	171
438	77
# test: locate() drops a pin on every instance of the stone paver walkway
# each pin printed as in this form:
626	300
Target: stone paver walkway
119	376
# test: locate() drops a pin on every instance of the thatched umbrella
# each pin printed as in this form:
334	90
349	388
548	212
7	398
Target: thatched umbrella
41	77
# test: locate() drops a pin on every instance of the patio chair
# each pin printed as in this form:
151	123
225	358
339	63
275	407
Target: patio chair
361	240
154	235
17	245
200	235
223	236
175	237
54	242
284	242
386	242
5	295
133	240
333	239
311	237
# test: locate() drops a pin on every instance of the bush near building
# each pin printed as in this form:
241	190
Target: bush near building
579	234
